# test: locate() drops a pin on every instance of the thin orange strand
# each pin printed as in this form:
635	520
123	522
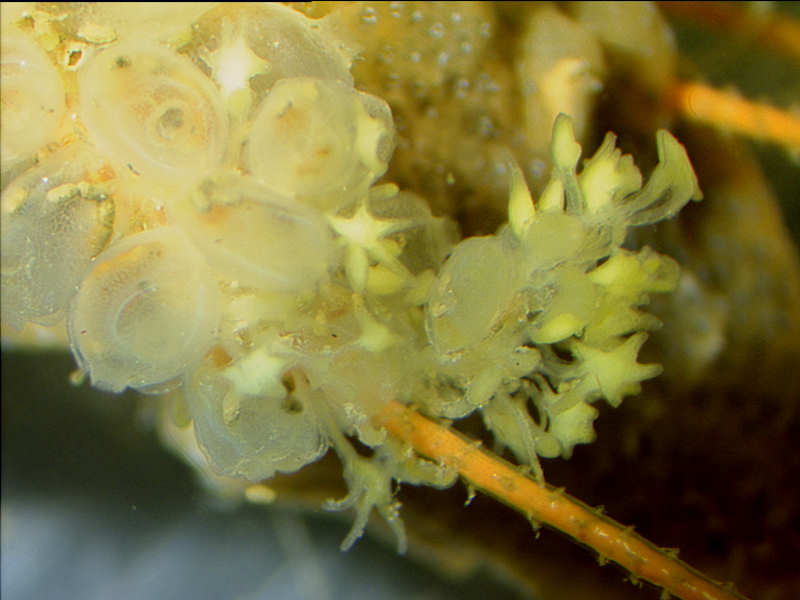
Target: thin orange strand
546	505
702	103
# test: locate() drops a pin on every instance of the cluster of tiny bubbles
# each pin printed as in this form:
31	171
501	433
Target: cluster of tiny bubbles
436	66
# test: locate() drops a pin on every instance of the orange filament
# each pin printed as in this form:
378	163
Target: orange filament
544	504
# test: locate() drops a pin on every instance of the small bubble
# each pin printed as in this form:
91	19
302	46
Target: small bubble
392	81
443	58
416	16
368	15
485	126
386	55
456	17
537	168
485	29
415	57
462	87
487	84
466	47
436	30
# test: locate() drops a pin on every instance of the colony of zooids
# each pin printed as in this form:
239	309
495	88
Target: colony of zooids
195	198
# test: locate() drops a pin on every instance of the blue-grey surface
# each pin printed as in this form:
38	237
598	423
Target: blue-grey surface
94	508
60	548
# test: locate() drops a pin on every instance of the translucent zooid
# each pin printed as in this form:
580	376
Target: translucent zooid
211	225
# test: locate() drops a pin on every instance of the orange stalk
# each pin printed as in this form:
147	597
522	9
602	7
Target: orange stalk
705	104
544	504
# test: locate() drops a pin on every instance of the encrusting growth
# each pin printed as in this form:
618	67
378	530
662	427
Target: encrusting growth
209	224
